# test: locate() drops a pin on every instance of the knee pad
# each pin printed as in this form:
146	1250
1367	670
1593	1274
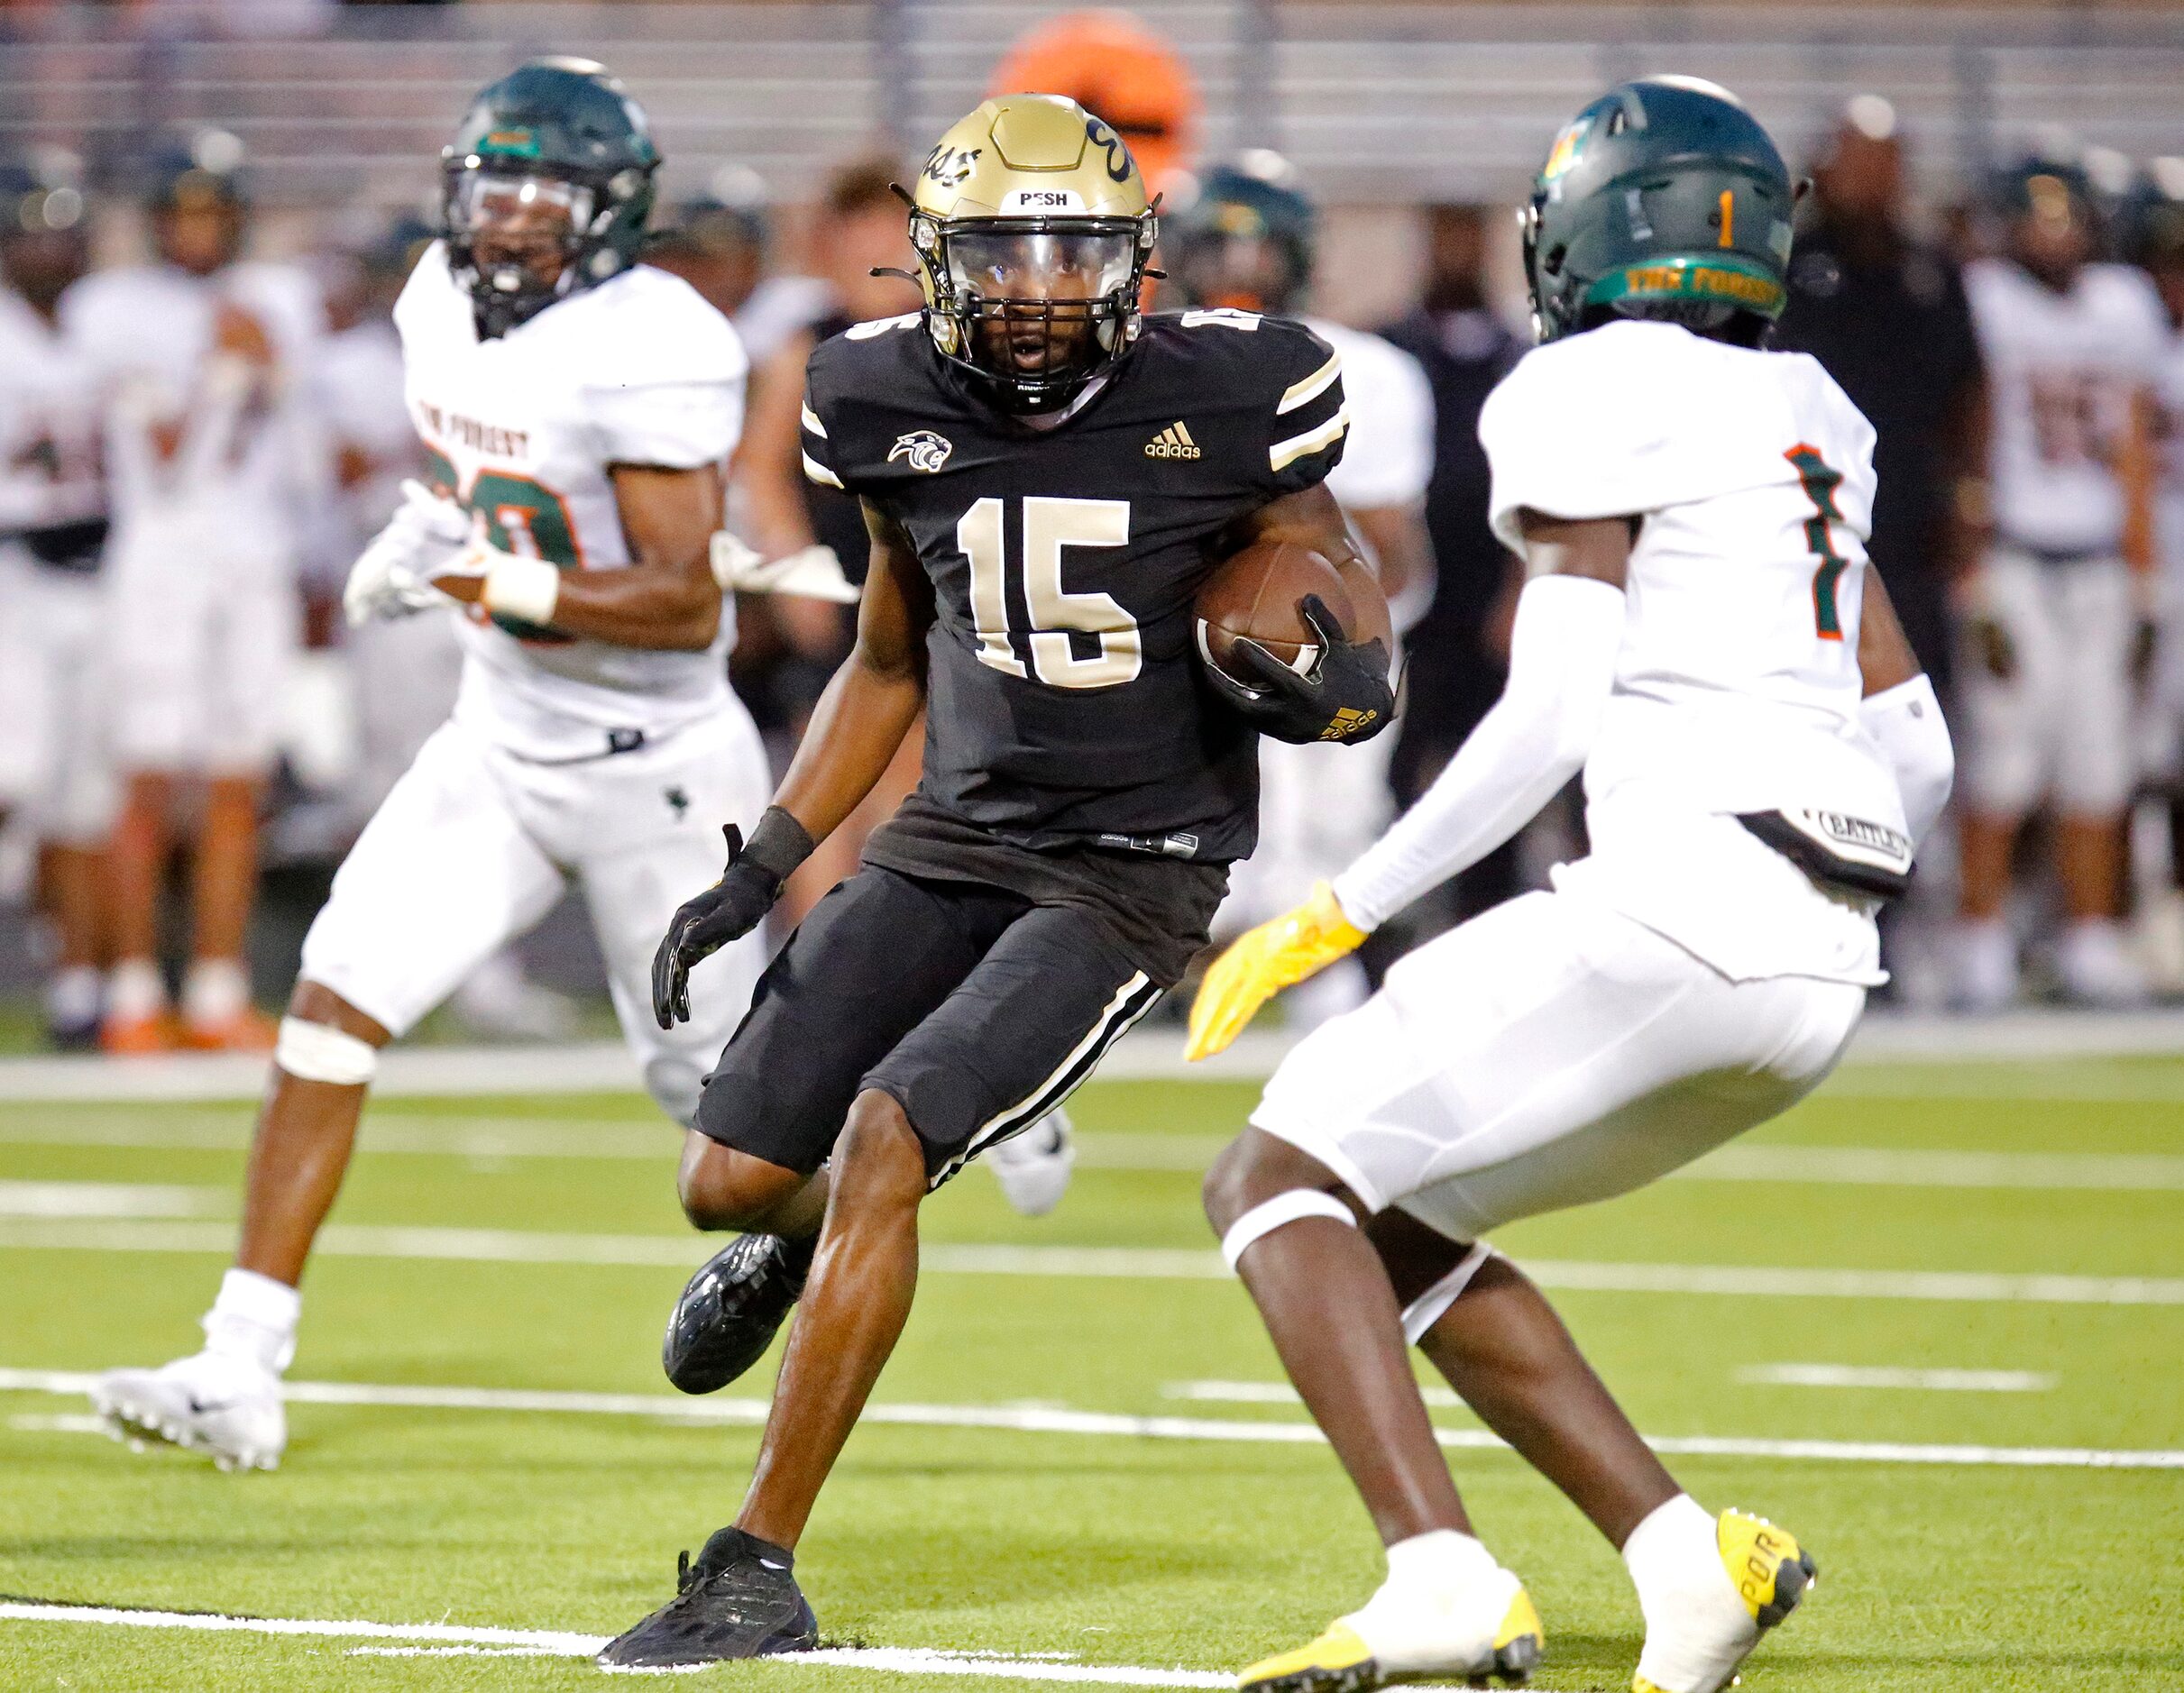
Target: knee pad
1264	1218
319	1052
1430	1307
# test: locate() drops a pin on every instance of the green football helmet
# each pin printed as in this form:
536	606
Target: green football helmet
1246	239
1663	198
545	188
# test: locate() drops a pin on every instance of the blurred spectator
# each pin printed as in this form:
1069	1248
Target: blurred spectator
2058	617
1121	69
1886	315
402	670
862	227
2154	239
718	244
54	763
1247	241
1458	651
214	453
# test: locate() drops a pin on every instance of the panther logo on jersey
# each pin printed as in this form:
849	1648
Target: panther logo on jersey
925	450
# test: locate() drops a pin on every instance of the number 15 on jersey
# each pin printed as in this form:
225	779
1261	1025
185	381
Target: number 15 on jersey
1048	525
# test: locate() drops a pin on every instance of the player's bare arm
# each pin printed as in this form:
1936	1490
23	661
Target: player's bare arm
1901	712
1595	548
877	694
1884	658
666	600
859	722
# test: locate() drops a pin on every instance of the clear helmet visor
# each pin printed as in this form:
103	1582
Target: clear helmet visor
520	227
1053	266
521	209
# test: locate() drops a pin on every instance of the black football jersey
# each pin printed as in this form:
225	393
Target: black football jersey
1065	704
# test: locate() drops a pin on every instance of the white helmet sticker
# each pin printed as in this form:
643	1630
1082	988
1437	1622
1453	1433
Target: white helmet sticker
1035	202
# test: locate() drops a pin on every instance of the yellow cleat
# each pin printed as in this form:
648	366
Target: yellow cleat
1340	1661
1770	1570
1771	1573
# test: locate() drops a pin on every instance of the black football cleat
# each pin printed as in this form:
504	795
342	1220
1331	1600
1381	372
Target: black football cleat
739	1600
732	1308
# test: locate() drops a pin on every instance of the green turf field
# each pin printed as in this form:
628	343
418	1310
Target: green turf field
1131	1545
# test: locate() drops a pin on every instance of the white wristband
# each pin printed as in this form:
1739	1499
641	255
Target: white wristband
524	588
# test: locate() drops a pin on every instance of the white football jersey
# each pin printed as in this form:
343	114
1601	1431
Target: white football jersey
2061	369
1737	687
49	449
1388	459
523	430
256	468
2169	391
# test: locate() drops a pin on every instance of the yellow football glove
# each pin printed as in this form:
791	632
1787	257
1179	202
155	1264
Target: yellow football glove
1263	962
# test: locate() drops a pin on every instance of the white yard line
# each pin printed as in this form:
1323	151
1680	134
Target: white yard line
1880	1167
1148	1055
516	1139
1924	1380
505	1246
552	1642
1046	1419
1277	1393
109	1200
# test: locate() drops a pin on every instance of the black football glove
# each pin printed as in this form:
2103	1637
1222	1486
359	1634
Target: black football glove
1345	697
729	909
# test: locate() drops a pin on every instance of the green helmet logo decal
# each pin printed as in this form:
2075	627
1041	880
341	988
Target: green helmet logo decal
511	143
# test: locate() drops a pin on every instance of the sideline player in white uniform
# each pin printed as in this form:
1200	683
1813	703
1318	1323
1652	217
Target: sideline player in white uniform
2062	609
1246	243
212	455
52	626
578	409
1702	634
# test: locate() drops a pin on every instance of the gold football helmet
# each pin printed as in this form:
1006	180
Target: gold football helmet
1032	231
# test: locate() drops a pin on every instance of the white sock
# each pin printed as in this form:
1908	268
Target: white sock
215	991
72	995
135	991
1435	1582
254	1318
1696	1626
1437	1562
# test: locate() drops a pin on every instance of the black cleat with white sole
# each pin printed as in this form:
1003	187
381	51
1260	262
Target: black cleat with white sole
739	1600
732	1309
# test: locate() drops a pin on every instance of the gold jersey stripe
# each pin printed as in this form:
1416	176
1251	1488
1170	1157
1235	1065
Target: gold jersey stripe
1301	393
811	422
1284	453
818	472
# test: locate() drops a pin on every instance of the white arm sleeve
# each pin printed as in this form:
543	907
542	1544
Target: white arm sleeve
1906	723
1561	668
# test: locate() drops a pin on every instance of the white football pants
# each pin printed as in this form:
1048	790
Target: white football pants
54	683
1546	1054
473	847
2062	726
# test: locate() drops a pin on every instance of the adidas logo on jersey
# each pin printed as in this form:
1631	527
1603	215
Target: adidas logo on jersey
1173	443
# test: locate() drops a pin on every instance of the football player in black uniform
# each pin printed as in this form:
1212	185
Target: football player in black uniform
1047	477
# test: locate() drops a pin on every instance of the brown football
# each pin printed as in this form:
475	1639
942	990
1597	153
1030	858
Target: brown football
1256	594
